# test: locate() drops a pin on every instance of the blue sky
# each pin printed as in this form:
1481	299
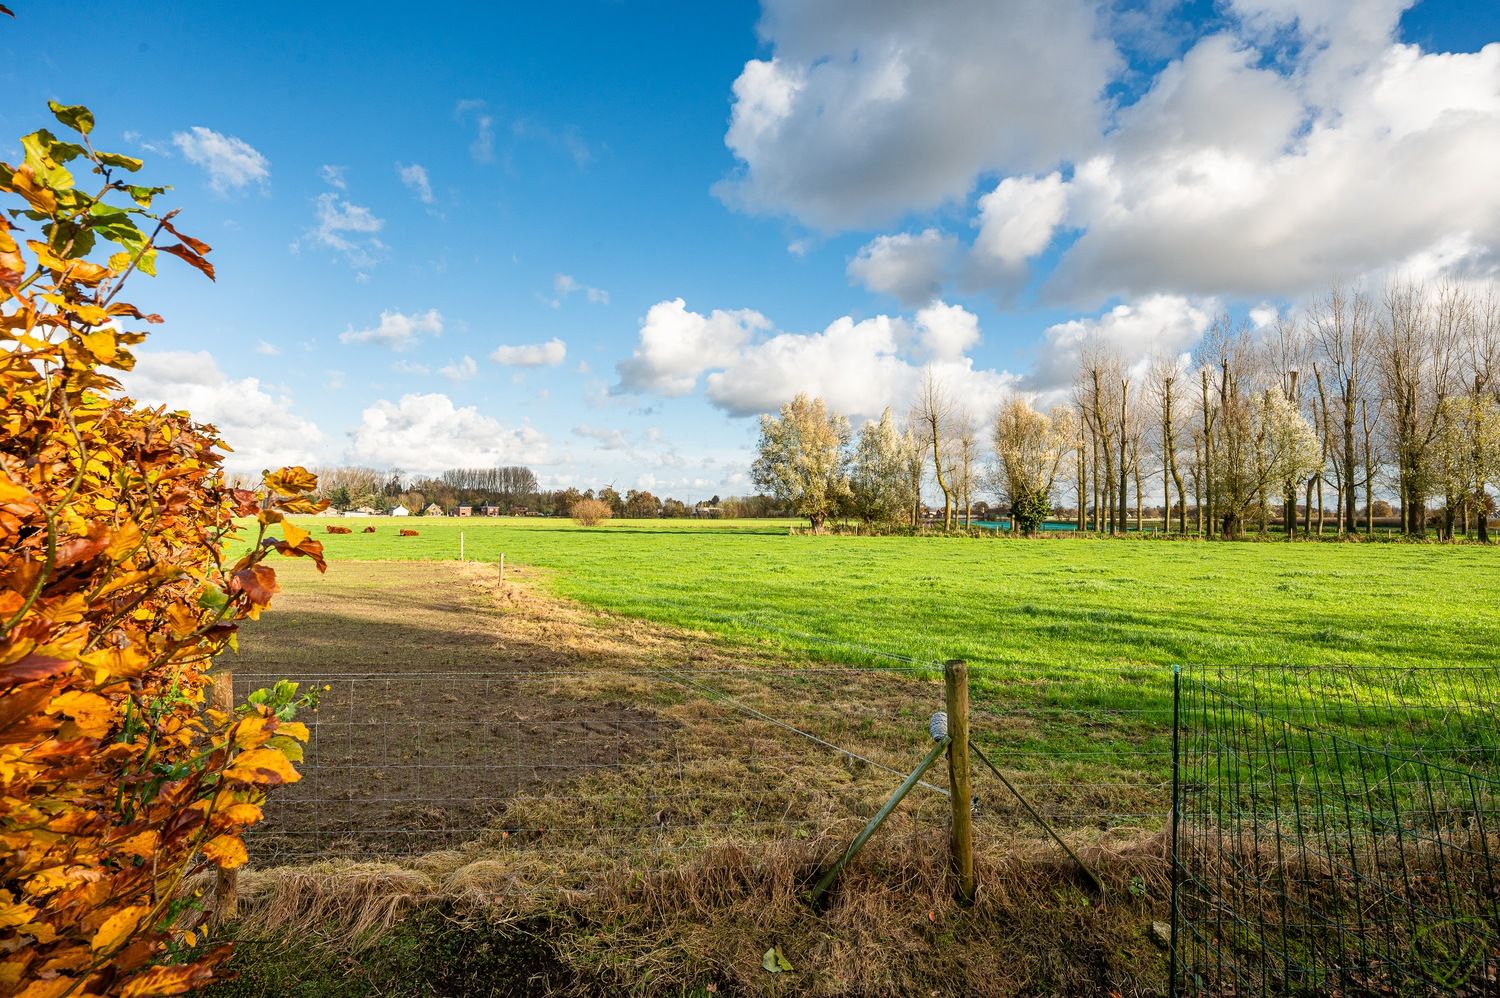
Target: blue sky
396	197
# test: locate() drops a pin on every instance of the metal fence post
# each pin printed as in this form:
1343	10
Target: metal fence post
1176	811
227	882
961	834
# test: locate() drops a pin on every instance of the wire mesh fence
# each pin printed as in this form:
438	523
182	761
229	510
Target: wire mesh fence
633	766
637	769
1335	831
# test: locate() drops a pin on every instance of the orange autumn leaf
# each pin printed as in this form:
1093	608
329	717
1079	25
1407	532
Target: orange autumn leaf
118	927
92	714
294	534
193	258
252	732
226	851
240	814
290	482
141	844
177	979
197	245
257	582
262	765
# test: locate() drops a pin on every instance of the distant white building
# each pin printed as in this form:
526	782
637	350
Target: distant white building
400	511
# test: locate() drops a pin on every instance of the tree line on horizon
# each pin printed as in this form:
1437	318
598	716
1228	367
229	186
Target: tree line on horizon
1297	424
513	489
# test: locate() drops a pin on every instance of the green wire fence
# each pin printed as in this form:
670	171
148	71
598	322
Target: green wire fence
1335	831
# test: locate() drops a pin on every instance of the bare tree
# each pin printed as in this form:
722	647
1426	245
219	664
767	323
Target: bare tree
1419	338
935	412
1482	348
965	460
1165	377
1341	326
1098	392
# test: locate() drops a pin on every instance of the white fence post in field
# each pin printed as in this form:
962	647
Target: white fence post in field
502	568
461	546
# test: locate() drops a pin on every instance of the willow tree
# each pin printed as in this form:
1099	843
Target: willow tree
804	459
1266	444
880	482
1029	449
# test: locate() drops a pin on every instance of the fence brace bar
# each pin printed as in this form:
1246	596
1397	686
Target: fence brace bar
885	812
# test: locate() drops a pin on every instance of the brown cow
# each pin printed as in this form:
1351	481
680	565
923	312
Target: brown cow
368	530
408	533
338	530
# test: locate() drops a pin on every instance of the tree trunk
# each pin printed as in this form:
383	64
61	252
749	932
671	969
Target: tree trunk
1351	500
1198	487
937	465
1124	484
1206	500
1138	491
1083	489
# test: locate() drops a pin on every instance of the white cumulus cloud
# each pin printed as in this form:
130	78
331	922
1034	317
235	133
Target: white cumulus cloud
426	433
867	110
548	354
677	345
397	330
1017	220
460	370
232	163
1158	325
859	366
911	268
260	423
1290	143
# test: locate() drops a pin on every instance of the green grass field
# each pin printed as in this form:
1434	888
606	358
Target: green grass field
1052	604
1076	623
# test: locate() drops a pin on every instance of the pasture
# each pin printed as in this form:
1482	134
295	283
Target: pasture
1064	607
587	767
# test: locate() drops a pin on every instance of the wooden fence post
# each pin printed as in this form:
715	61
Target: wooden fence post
961	834
461	546
227	884
502	568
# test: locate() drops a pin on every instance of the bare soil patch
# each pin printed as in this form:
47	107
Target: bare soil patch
436	710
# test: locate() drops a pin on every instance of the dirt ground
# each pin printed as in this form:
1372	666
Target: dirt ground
437	707
657	801
447	700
